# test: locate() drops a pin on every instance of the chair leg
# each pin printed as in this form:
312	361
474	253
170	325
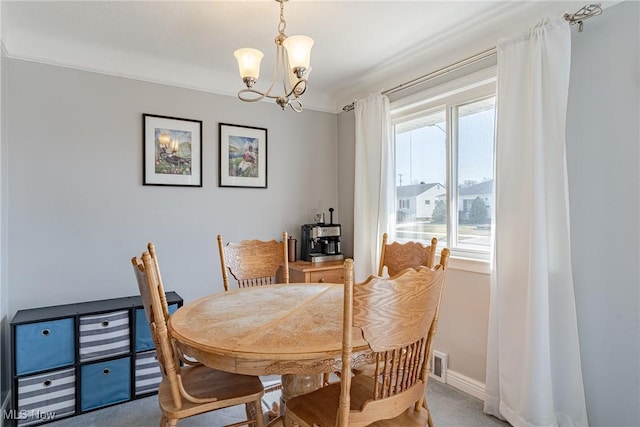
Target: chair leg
250	410
254	412
259	413
325	379
173	422
163	421
326	375
426	407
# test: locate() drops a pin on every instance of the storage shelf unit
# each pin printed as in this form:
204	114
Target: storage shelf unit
74	358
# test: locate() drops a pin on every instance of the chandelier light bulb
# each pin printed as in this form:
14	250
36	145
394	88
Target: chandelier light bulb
299	52
249	64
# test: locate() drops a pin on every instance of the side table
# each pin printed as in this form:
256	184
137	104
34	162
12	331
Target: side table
309	272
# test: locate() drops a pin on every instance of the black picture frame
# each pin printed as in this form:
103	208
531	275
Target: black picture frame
171	151
242	154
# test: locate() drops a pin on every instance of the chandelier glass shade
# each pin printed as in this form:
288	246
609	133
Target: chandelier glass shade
292	66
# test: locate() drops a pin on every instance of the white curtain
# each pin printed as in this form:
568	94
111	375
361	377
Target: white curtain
534	375
373	188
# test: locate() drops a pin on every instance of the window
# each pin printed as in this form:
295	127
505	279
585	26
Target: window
403	203
444	150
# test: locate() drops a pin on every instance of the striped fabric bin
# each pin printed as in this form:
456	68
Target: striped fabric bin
104	335
148	375
46	396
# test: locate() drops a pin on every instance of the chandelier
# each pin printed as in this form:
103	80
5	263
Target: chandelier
293	55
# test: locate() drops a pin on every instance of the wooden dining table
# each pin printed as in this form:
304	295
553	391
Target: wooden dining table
293	330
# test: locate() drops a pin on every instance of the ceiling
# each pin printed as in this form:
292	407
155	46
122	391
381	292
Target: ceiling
360	46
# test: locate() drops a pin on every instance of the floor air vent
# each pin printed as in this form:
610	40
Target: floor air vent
439	366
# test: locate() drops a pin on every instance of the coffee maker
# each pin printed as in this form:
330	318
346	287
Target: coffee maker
321	241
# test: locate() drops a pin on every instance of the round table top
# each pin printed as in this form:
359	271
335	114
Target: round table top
274	329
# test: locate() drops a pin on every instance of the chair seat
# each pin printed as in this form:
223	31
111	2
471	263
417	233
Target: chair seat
203	383
321	406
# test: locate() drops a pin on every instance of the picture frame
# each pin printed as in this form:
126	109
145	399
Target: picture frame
172	151
242	156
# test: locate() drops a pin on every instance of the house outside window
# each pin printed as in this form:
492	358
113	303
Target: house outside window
444	150
403	203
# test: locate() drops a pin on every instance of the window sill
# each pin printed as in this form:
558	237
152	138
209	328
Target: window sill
469	264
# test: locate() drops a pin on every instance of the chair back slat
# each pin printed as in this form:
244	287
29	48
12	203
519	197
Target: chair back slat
256	281
141	278
253	262
163	297
398	370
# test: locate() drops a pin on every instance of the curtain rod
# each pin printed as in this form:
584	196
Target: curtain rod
586	12
441	72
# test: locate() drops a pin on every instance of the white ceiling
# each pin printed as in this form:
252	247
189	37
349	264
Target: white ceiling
360	46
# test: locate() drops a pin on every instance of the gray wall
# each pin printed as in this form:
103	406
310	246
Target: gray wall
463	323
346	176
78	210
5	361
604	188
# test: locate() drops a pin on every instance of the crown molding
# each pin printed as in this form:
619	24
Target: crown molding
315	103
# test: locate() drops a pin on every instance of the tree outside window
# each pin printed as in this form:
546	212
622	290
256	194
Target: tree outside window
478	212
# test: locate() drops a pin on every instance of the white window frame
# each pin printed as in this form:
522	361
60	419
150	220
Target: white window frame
463	90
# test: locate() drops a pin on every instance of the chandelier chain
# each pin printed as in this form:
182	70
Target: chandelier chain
283	24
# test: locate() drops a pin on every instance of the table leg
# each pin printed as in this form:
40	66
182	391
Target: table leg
294	385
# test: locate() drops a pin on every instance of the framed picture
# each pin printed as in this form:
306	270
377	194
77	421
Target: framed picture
172	151
243	156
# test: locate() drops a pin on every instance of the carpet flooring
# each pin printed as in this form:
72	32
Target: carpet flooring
449	408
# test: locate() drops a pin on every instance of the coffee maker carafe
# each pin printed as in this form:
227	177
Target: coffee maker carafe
321	241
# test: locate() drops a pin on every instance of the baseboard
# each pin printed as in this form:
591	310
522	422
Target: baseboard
4	409
465	384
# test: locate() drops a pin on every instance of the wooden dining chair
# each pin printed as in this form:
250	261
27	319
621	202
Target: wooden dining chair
254	262
194	389
398	256
398	319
